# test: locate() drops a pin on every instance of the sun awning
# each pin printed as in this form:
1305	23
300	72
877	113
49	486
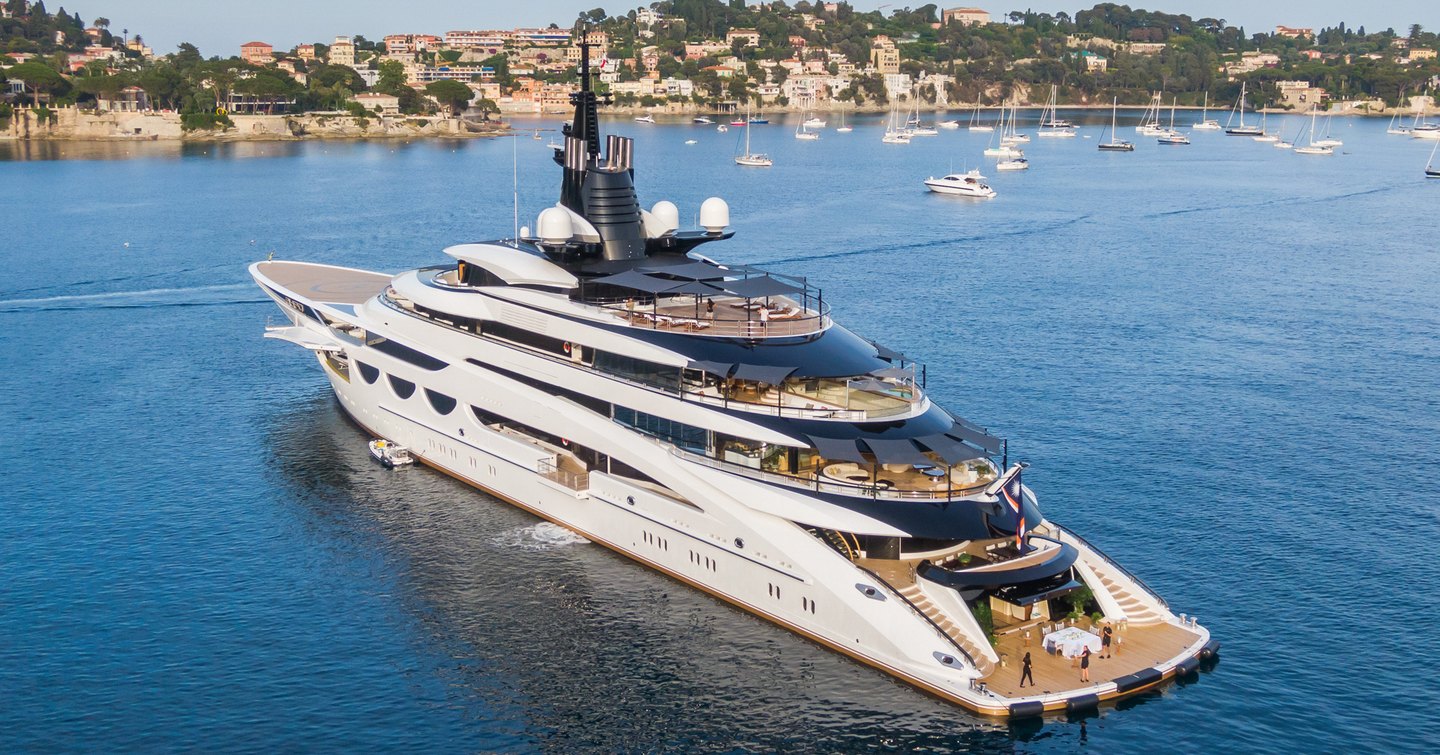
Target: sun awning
893	372
754	288
637	281
721	369
871	385
890	355
762	373
974	437
949	449
694	287
693	270
896	451
837	449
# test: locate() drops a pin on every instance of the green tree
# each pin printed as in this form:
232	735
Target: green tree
39	78
392	77
451	94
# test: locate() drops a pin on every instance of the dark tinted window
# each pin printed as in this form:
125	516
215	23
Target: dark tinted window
440	402
402	388
370	374
405	353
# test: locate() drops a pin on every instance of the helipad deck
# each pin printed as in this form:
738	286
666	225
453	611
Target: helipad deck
324	283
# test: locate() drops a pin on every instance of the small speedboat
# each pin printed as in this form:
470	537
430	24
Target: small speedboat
1018	163
924	131
692	141
1173	137
722	128
390	454
970	184
814	123
948	125
702	120
645	119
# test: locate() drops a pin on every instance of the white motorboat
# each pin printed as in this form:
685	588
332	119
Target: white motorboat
948	125
722	128
719	426
970	184
390	454
814	122
645	119
692	141
702	120
1017	163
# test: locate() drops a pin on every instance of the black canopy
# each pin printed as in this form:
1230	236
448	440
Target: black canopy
965	432
721	369
949	449
893	372
754	288
762	373
887	354
896	451
694	287
637	281
837	449
693	270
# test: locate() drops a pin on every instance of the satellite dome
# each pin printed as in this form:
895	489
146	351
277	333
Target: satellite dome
714	215
554	226
667	215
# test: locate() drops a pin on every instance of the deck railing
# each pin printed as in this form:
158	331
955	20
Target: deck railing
1113	564
807	323
577	481
821	485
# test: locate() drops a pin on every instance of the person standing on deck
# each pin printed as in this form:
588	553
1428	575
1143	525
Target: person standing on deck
1085	664
1105	639
1025	672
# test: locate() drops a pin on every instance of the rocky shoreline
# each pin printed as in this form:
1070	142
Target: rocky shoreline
71	124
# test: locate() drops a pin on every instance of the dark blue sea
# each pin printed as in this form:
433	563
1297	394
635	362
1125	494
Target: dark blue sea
1222	361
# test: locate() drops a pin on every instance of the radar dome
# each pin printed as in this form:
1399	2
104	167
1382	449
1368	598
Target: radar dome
667	215
553	226
714	215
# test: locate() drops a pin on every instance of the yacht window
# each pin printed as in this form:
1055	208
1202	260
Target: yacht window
688	437
405	353
403	388
370	374
441	403
525	337
638	370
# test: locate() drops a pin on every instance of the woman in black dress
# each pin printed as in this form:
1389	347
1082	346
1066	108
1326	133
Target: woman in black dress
1085	665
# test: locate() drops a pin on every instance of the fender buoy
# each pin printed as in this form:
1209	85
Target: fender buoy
567	347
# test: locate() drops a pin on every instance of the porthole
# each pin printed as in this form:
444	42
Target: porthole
370	374
403	388
441	403
739	543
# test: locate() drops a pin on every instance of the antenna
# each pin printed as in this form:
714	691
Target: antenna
515	185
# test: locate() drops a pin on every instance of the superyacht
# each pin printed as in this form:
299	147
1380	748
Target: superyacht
715	423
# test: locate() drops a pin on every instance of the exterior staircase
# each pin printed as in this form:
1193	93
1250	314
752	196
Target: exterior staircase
1137	612
917	598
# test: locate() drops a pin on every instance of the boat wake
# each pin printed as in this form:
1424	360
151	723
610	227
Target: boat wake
1272	203
542	536
936	243
196	296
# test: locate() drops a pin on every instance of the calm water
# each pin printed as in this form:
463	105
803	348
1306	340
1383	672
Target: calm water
1221	360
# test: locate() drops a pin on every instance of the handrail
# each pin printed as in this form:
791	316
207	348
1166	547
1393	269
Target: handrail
953	642
572	480
821	486
1133	578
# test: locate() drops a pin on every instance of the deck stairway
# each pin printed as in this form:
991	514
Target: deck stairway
917	598
1137	612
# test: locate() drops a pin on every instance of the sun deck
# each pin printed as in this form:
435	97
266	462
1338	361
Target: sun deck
732	316
324	283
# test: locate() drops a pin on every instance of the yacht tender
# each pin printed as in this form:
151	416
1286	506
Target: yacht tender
715	423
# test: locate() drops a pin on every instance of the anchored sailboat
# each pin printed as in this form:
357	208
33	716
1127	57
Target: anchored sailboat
1115	144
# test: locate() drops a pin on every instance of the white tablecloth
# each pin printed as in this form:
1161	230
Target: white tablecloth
1072	641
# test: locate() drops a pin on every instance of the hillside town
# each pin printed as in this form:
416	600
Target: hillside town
709	56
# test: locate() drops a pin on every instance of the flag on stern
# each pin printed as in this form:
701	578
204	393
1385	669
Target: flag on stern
1014	495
